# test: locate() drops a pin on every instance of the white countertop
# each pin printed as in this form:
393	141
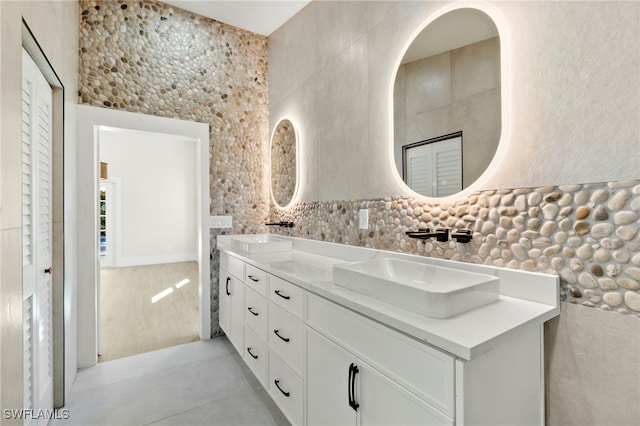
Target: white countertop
527	299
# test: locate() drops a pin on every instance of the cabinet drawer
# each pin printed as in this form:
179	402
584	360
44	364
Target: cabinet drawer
256	279
287	337
255	313
425	371
255	355
233	265
286	389
286	295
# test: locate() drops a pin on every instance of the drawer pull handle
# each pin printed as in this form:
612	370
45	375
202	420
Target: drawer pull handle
282	295
250	309
254	279
286	339
227	286
251	353
280	389
351	385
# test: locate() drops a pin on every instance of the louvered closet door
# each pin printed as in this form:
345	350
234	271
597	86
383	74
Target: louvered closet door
37	236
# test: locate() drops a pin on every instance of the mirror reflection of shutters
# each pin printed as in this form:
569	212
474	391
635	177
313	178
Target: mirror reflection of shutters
447	164
435	169
419	169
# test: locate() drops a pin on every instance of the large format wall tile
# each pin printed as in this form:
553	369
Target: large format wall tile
577	343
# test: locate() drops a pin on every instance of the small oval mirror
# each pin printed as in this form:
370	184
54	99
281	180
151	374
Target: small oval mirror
284	142
447	103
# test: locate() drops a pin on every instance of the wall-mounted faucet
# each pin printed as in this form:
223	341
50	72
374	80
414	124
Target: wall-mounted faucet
441	235
281	224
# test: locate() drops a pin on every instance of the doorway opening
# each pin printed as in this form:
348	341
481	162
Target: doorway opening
98	126
148	293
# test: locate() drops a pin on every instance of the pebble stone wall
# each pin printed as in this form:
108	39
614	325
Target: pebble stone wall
586	234
152	58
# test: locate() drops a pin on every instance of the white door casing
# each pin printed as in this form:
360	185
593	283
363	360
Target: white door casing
37	101
90	121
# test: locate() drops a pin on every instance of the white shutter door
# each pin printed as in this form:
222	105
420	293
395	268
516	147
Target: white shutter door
419	169
27	172
37	231
447	165
28	232
44	243
28	345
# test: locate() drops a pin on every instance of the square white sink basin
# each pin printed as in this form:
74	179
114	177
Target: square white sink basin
260	243
432	291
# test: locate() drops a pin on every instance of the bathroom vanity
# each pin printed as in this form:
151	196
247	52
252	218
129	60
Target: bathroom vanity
347	335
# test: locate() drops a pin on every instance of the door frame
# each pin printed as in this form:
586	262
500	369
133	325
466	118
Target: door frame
90	120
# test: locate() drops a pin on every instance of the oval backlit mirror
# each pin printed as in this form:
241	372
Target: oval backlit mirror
447	105
284	144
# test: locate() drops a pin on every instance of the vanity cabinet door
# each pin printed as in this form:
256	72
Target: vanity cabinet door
344	390
327	382
225	286
383	402
231	310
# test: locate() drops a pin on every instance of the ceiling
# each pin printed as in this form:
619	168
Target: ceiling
451	31
259	16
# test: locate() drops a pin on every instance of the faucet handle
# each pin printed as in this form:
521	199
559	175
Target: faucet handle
462	235
442	235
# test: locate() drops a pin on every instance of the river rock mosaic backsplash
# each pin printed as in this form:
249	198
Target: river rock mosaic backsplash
152	58
587	234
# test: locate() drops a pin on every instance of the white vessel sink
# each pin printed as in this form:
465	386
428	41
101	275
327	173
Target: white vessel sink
303	269
432	291
260	243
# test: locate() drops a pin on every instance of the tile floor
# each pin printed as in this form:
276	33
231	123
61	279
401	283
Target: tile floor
200	383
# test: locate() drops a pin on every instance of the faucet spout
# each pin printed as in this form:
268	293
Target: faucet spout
441	235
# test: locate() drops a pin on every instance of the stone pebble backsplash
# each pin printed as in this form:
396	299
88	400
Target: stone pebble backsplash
157	59
587	234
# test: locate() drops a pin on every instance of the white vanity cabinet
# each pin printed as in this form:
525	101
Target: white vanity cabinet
231	296
403	381
327	356
262	315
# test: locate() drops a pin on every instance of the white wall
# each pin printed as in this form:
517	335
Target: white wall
572	98
156	219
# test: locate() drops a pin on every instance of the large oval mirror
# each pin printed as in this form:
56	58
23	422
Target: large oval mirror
447	105
284	162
